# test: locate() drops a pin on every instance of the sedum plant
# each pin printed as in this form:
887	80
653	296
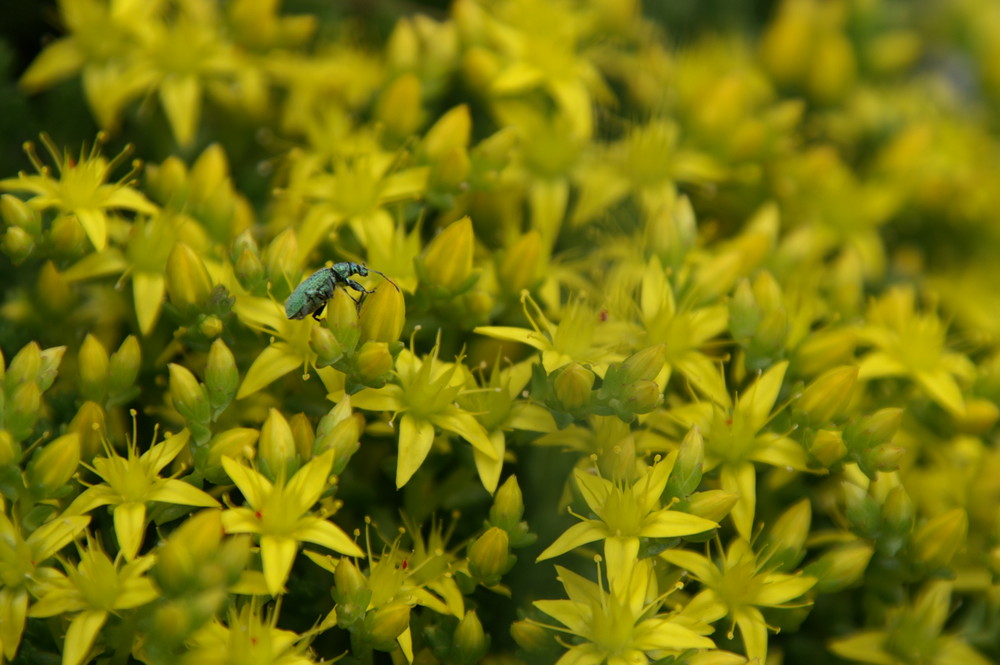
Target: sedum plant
694	356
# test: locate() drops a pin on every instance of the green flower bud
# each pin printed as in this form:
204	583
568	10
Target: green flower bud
123	368
508	506
16	212
480	67
382	315
452	170
399	108
23	410
17	244
573	386
828	447
469	641
68	237
282	263
686	474
210	326
828	397
276	447
237	443
25	367
532	638
785	541
89	424
345	440
712	504
861	509
897	511
181	558
351	592
521	266
52	466
303	435
373	360
342	315
447	260
222	378
937	540
452	130
189	396
53	289
886	457
326	346
642	397
50	359
644	365
489	557
188	282
840	567
94	365
249	270
385	624
744	313
10	452
824	349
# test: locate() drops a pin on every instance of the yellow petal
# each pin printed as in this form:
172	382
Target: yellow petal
741	480
60	60
95	223
579	534
415	439
329	535
182	493
80	635
147	291
13	611
253	485
277	554
181	98
466	427
273	363
753	630
130	526
489	468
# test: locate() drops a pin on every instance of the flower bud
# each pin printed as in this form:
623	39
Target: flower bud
221	376
211	326
642	397
531	637
249	270
89	424
828	396
469	642
17	244
50	359
452	130
303	435
281	259
189	396
480	67
276	447
123	368
400	106
979	417
93	370
874	430
188	548
326	346
52	466
828	447
188	282
744	313
785	542
451	170
382	315
25	366
886	457
342	314
489	557
862	510
23	410
67	236
686	474
16	212
898	519
841	567
508	506
937	540
10	452
447	260
573	385
373	360
237	443
825	349
384	625
644	365
344	439
53	289
521	265
712	504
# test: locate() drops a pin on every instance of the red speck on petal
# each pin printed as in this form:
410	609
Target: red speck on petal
603	315
258	514
404	565
729	421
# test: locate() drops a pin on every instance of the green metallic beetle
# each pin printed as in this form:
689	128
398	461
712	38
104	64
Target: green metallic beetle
310	296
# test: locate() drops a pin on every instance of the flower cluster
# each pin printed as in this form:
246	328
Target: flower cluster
700	311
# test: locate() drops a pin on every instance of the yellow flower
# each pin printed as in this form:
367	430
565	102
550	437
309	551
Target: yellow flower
247	637
736	587
91	591
912	344
626	513
81	189
425	394
132	482
20	565
279	514
621	626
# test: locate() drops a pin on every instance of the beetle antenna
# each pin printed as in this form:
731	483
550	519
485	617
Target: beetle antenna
384	277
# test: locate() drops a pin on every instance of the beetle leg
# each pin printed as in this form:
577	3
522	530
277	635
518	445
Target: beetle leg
357	287
319	311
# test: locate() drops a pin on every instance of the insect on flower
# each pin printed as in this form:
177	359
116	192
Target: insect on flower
310	296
